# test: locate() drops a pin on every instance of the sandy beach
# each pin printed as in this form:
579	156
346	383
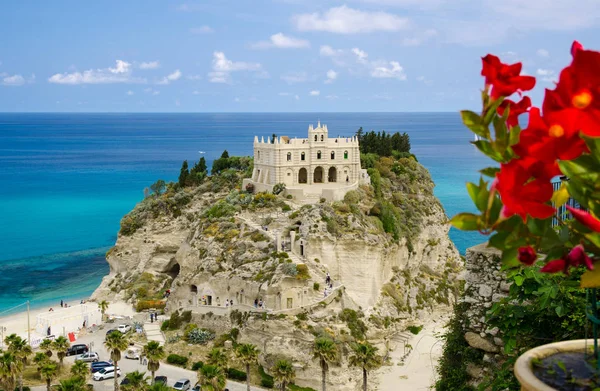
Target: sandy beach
66	319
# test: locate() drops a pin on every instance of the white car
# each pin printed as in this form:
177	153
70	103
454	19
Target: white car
124	328
106	373
88	357
182	385
133	353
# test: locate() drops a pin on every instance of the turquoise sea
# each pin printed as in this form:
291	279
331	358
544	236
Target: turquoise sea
67	179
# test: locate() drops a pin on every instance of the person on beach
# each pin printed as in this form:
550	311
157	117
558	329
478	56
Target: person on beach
255	303
49	331
61	303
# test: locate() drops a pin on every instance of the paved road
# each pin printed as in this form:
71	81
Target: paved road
173	373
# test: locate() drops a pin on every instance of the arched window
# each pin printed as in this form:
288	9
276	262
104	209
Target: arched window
316	138
318	154
302	156
345	154
332	155
289	157
321	137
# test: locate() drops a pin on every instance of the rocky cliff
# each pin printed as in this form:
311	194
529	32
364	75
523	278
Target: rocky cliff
385	246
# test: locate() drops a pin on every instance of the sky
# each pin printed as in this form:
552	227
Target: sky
277	55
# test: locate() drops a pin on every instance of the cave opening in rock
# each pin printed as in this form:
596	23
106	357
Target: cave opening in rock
174	270
194	289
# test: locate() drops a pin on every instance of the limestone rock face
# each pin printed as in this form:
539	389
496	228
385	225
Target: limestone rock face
212	245
477	342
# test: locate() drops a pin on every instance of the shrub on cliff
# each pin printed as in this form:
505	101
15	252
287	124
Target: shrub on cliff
176	359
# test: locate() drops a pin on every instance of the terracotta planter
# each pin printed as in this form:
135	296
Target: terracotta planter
523	368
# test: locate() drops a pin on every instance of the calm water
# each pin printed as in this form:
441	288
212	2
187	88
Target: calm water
67	179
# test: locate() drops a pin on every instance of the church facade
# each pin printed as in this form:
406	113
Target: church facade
313	165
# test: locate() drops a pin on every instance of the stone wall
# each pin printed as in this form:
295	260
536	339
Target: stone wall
485	284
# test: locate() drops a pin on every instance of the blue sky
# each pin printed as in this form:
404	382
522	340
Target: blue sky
276	55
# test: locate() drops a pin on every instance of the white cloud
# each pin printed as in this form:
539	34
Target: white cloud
295	77
129	92
547	75
296	97
331	97
360	54
222	67
121	73
390	69
170	77
194	77
150	65
281	41
14	80
543	53
202	30
331	76
345	20
425	80
315	93
328	51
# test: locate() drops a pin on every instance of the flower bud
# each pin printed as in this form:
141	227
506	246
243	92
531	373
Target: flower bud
555	266
577	256
585	218
527	255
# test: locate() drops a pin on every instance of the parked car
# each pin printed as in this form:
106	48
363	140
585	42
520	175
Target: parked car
77	349
111	331
133	353
88	357
160	379
96	366
124	328
182	385
197	388
125	381
106	373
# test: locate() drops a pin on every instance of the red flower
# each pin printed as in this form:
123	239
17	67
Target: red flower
555	266
575	47
585	218
504	79
521	195
577	256
516	109
554	136
579	88
527	255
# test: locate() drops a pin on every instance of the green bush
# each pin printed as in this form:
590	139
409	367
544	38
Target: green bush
129	224
293	387
235	374
303	273
285	208
197	365
352	197
266	380
316	286
289	269
278	188
186	316
200	336
164	326
289	196
147	304
415	329
357	327
176	359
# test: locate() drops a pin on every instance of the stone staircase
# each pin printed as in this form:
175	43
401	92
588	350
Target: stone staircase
153	332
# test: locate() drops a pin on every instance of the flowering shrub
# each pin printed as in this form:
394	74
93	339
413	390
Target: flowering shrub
562	139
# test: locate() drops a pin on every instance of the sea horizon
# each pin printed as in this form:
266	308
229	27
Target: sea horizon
73	177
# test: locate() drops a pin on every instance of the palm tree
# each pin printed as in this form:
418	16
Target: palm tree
61	344
39	359
115	343
283	373
137	381
74	383
217	358
49	371
365	357
22	350
80	369
10	367
160	386
103	305
325	350
212	378
248	354
154	353
46	345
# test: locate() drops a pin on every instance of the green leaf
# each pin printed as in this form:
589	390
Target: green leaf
491	111
501	132
487	148
519	280
473	191
509	257
514	135
537	226
490	171
472	121
466	221
559	311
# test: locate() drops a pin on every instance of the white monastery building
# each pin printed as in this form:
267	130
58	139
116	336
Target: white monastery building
310	168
